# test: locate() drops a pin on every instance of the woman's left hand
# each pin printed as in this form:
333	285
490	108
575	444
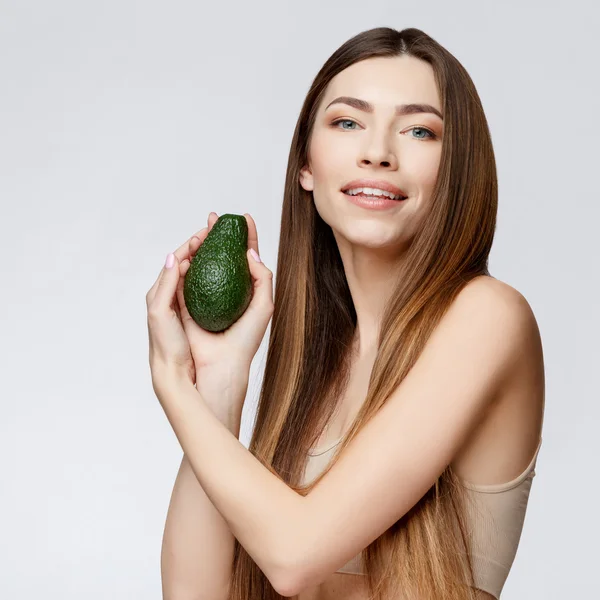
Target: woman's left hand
170	354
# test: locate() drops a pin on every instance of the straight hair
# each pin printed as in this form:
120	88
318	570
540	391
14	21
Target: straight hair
426	553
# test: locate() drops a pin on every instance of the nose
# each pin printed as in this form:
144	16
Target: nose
378	152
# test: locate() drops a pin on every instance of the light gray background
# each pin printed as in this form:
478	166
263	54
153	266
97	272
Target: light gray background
123	124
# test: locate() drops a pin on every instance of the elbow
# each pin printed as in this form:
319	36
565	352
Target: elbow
283	581
291	572
286	585
285	591
288	579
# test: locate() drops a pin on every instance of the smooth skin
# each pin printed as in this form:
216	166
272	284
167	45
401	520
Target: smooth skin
474	398
297	541
197	546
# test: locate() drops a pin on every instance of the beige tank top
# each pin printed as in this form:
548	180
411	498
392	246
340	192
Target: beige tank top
495	514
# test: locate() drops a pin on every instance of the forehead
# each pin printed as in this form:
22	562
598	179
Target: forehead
386	81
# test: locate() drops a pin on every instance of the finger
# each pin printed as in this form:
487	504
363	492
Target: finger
262	298
165	290
183	267
176	309
187	250
183	251
197	240
183	311
252	233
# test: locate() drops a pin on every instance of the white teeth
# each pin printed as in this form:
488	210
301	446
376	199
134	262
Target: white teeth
373	192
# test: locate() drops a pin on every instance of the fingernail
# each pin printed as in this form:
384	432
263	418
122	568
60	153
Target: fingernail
255	256
170	260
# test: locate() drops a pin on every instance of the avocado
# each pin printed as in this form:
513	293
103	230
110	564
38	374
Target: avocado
218	287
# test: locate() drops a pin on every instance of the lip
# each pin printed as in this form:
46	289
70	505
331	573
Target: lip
375	183
380	203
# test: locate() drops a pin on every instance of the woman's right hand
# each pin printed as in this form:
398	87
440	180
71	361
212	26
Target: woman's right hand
222	359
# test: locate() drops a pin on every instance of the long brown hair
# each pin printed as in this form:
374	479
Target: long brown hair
426	552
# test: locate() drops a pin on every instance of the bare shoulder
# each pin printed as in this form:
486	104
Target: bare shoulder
491	292
499	315
511	311
505	441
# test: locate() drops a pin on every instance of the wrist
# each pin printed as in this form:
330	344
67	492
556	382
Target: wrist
223	383
223	389
167	380
228	414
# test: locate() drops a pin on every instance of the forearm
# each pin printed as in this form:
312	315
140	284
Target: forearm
197	546
260	509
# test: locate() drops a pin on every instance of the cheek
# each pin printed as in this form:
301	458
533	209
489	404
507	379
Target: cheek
428	168
420	171
329	160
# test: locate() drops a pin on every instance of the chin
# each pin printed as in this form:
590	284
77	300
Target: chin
368	233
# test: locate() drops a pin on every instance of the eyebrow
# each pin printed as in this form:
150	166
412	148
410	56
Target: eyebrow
401	109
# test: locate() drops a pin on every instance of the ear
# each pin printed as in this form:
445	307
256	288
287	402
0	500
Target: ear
306	179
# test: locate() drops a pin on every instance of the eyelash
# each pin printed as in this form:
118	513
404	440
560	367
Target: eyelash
431	133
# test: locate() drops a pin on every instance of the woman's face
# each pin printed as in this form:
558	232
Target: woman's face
349	144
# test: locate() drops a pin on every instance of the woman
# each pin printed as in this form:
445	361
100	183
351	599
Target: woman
401	410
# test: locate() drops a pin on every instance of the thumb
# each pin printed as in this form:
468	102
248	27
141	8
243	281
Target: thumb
263	283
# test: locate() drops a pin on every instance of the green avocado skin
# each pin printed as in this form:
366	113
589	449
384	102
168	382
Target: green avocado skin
218	286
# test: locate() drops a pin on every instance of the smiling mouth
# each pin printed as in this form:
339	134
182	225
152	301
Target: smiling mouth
376	197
